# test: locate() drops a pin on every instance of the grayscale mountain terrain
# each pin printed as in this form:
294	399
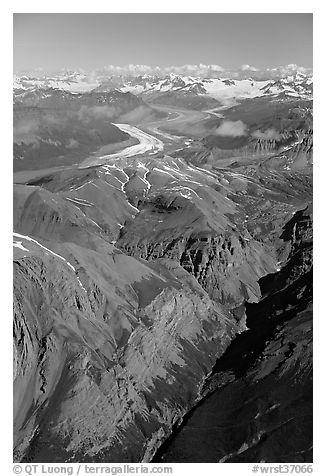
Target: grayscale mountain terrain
162	254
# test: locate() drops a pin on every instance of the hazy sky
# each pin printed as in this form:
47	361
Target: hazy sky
90	41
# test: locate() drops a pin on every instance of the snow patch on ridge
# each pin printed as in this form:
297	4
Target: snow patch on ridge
47	251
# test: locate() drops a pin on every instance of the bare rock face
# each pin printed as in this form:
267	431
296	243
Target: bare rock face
131	280
103	345
263	382
220	262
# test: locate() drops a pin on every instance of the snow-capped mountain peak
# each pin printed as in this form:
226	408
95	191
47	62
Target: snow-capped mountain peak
295	83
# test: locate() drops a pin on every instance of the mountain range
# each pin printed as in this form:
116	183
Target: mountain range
173	89
162	252
201	70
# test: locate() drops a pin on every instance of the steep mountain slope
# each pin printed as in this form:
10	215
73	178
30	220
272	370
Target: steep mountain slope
92	324
102	346
162	293
101	335
263	382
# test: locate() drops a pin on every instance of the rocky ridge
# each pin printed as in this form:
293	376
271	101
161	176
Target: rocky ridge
121	296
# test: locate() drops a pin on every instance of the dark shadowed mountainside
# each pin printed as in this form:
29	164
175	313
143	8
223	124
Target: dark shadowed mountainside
163	286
